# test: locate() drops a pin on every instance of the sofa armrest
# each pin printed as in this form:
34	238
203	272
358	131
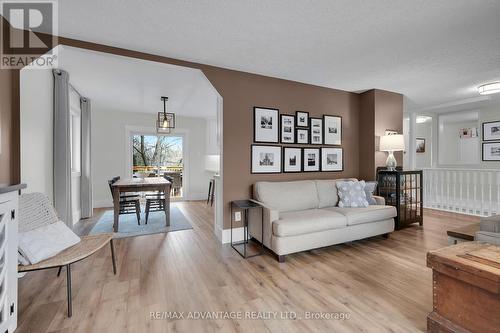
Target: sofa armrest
490	224
380	200
269	215
488	237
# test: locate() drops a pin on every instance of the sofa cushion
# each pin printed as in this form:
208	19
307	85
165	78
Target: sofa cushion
327	192
368	214
370	188
287	196
307	221
352	194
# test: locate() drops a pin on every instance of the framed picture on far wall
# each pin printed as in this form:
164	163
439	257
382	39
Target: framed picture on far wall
332	159
491	131
265	125
302	135
266	159
292	159
316	131
420	145
287	128
311	159
332	130
491	151
302	118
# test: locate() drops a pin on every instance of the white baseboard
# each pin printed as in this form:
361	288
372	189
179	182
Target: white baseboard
237	235
103	204
196	196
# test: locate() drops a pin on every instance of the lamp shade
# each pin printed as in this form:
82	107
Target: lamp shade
393	142
212	163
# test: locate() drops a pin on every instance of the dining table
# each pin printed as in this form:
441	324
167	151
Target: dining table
148	184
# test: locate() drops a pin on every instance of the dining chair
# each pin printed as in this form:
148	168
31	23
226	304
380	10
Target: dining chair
129	202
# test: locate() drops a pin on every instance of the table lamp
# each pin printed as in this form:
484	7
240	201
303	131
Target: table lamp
392	143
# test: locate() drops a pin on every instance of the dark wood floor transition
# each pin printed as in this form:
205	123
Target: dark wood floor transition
373	285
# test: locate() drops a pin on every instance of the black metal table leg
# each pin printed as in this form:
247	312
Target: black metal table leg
113	255
68	287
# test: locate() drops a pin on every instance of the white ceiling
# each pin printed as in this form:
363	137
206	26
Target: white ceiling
116	83
431	51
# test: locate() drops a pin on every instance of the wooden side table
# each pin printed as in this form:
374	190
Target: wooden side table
466	288
245	206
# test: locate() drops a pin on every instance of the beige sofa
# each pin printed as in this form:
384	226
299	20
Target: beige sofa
303	215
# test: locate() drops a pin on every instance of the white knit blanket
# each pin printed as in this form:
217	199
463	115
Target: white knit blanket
46	241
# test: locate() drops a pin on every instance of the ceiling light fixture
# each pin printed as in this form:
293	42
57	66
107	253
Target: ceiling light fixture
489	88
165	121
422	119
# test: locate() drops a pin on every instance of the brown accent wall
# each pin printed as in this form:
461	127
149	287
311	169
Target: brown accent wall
241	92
380	110
9	126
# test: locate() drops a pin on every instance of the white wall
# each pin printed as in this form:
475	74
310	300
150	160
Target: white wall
110	155
424	131
36	123
453	149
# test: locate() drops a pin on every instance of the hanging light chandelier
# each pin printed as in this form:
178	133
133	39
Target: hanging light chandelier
165	121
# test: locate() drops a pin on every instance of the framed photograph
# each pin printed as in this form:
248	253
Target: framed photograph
266	159
316	131
287	128
311	159
332	130
292	159
266	126
332	159
302	135
491	151
420	145
302	118
491	131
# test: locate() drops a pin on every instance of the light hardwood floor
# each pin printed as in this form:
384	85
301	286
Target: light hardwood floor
382	284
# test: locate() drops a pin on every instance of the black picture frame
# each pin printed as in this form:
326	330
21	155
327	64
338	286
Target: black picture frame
306	142
311	131
283	162
282	127
483	130
267	146
255	129
417	140
304	151
324	152
325	141
297	113
482	151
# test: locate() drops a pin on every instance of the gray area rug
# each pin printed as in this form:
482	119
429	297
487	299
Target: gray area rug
128	226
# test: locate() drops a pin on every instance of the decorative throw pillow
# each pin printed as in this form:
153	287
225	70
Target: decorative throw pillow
370	188
352	194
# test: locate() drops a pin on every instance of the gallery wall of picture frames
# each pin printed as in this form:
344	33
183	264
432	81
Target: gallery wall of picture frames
271	128
491	149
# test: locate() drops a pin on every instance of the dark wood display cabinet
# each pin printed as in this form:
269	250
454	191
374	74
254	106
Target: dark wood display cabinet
402	189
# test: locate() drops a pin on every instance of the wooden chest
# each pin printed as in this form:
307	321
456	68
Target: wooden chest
466	288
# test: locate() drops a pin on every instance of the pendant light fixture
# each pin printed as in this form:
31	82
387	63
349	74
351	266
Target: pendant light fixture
165	121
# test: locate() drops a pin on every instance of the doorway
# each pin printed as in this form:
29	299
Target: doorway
159	156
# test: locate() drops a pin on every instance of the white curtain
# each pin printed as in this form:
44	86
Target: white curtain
86	174
62	147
